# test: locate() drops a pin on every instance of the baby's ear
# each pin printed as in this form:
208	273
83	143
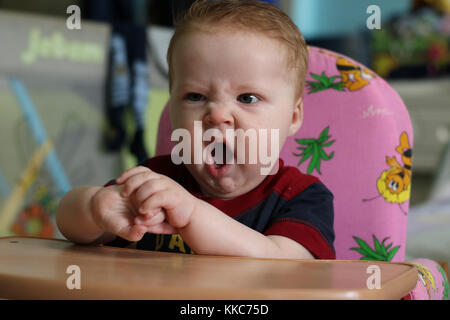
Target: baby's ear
297	117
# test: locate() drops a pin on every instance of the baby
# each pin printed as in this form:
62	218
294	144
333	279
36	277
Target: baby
233	65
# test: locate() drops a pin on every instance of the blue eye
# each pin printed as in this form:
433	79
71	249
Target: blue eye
194	97
248	98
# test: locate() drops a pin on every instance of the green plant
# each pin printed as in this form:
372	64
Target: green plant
314	148
380	252
323	83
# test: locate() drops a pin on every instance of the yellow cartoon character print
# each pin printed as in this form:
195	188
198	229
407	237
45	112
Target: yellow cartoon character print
394	184
425	277
351	75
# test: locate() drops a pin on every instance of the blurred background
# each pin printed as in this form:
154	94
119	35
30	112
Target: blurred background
78	106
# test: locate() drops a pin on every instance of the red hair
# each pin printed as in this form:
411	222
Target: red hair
249	15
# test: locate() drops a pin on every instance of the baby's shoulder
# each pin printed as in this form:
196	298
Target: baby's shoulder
290	182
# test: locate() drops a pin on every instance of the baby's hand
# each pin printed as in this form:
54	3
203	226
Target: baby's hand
115	214
164	206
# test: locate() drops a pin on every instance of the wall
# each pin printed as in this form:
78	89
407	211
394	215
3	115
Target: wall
331	18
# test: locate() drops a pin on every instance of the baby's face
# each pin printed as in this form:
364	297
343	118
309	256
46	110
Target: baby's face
230	81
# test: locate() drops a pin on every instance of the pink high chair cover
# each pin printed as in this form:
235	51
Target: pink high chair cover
355	138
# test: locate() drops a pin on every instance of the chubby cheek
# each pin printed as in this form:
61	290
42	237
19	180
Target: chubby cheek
284	131
269	142
283	135
181	119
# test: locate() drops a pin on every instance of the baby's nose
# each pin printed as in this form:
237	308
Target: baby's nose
219	116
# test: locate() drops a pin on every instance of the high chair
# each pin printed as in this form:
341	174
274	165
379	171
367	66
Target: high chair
357	138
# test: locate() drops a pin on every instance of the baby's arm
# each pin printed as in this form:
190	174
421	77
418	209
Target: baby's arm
74	216
210	231
206	229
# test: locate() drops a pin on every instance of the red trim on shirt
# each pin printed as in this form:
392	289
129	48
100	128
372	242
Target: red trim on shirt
304	234
293	182
281	183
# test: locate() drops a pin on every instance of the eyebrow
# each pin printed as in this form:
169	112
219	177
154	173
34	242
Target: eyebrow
247	87
184	85
250	87
253	88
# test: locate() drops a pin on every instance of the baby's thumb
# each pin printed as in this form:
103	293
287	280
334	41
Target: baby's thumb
135	233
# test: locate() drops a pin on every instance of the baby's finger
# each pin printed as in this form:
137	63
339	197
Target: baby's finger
147	189
150	219
132	233
136	181
157	201
130	172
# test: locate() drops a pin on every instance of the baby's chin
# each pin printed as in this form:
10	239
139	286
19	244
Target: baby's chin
227	187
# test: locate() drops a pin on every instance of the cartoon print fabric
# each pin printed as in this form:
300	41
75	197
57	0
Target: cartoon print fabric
356	137
432	281
381	251
351	75
394	184
314	148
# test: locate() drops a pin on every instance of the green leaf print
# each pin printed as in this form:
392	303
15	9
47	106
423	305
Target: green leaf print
314	149
324	83
380	252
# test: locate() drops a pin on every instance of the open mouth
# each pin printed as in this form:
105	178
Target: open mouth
221	155
219	158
